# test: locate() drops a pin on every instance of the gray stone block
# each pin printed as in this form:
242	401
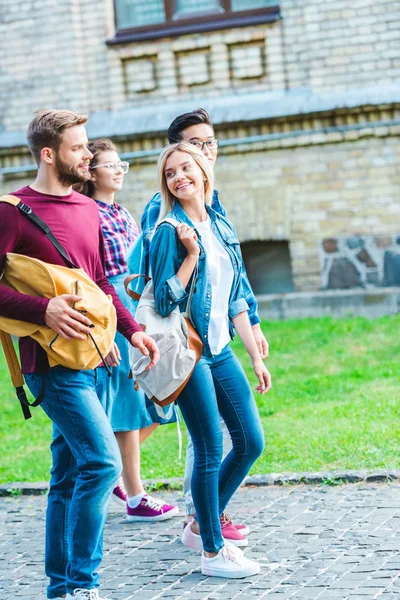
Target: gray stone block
391	268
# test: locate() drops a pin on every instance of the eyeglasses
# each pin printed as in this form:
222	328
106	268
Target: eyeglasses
114	166
211	144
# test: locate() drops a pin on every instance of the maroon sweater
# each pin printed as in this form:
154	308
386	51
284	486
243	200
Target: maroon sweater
75	222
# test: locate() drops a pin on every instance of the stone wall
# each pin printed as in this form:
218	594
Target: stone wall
292	189
340	45
307	108
55	54
361	261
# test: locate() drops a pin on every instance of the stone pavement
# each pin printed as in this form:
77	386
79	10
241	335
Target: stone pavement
330	543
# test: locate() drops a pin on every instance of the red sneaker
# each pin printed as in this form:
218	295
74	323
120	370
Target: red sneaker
231	533
151	509
225	520
119	493
228	529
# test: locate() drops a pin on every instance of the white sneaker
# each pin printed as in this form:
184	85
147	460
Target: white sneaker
80	594
190	539
230	562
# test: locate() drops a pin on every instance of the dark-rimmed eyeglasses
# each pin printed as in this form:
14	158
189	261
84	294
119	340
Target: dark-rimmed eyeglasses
211	144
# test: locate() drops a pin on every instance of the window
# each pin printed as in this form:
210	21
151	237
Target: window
138	20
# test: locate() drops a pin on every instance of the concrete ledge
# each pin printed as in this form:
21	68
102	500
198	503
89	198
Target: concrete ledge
323	478
371	303
18	488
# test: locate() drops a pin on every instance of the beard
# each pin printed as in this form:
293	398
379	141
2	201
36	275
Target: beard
69	175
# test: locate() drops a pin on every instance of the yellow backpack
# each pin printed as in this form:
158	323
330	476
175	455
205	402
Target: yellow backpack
37	278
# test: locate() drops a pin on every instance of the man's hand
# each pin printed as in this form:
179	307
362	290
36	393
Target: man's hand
262	344
147	347
113	357
65	320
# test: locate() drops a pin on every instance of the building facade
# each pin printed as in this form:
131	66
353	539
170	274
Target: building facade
304	95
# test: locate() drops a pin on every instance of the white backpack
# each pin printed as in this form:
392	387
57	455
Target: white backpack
179	344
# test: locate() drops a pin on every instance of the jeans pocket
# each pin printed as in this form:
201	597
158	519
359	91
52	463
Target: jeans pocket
34	383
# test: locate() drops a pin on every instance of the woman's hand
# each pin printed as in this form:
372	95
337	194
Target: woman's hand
188	238
263	375
113	357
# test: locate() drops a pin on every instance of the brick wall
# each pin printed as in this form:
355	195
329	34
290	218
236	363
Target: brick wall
55	55
301	194
324	182
336	44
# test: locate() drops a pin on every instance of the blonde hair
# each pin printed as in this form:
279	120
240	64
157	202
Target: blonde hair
47	127
167	198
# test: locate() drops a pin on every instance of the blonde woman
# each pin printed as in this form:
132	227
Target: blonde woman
207	242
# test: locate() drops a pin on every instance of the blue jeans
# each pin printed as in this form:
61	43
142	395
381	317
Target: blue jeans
189	463
219	388
86	466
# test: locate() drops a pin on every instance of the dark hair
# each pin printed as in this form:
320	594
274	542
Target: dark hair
46	129
96	148
196	117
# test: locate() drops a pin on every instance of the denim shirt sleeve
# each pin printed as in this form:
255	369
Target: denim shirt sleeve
247	292
217	205
250	297
168	289
237	302
148	222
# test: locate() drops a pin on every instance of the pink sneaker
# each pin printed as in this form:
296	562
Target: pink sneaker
151	509
119	493
233	535
190	539
225	520
229	533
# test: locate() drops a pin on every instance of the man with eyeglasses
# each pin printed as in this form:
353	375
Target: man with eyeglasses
197	129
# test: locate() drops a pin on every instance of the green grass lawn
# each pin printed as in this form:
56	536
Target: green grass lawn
335	404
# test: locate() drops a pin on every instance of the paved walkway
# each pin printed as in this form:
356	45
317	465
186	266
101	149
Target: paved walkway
312	542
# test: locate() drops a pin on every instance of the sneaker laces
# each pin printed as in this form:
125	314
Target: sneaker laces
225	519
153	502
120	484
87	594
230	552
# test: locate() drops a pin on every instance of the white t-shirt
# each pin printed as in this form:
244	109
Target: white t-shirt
221	273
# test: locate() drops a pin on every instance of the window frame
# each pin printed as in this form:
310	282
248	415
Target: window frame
182	26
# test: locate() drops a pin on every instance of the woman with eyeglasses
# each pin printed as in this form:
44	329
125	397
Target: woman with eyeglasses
125	407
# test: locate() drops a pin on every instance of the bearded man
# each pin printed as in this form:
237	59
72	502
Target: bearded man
86	458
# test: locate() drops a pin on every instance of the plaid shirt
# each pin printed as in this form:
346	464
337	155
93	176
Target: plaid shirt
148	221
119	232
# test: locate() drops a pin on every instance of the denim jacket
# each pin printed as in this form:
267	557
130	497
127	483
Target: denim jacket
167	254
142	248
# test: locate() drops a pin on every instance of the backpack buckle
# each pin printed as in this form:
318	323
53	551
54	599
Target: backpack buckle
25	208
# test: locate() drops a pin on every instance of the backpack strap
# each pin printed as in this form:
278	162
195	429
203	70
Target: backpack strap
131	278
195	273
172	222
16	375
134	295
28	212
5	338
